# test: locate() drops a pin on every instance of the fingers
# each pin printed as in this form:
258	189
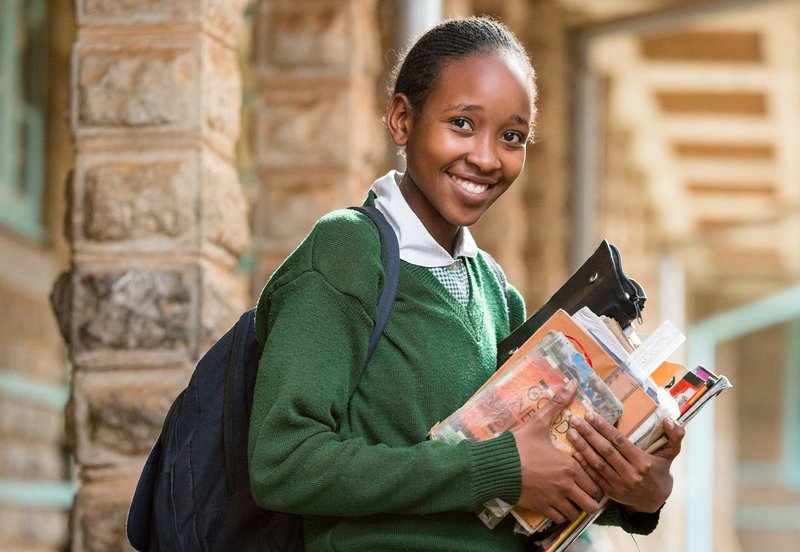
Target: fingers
595	465
675	433
610	443
596	477
564	511
571	506
605	445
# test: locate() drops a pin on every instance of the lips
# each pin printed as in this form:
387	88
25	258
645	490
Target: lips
472	186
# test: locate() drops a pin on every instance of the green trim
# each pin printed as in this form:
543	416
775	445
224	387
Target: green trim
779	308
18	386
37	494
23	102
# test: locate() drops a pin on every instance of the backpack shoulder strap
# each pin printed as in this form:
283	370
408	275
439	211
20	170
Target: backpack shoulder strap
390	259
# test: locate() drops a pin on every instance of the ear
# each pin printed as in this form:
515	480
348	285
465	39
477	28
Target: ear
399	119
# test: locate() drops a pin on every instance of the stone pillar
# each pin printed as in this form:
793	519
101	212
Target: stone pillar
157	222
318	138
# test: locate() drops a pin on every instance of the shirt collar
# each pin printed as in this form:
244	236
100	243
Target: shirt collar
417	246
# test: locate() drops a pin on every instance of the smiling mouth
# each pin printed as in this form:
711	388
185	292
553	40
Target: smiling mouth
469	185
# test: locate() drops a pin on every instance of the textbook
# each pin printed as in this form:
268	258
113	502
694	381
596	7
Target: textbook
714	385
613	382
520	387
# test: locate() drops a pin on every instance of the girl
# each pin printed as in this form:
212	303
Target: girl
345	446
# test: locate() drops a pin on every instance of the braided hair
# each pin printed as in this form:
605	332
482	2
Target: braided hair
418	69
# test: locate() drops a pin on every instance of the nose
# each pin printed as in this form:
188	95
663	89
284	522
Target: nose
483	154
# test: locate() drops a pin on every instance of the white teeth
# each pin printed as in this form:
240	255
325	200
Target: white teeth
470	186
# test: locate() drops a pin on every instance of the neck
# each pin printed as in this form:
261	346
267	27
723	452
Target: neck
440	230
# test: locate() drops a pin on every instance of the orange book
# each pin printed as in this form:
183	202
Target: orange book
665	372
637	404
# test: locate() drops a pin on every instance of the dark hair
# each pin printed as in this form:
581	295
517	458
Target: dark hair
418	69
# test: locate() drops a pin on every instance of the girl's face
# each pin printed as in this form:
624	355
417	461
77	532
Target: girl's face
467	146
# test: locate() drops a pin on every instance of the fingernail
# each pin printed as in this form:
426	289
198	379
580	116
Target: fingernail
572	434
571	385
669	422
576	421
590	416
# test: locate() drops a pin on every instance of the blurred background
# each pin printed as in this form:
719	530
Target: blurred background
159	159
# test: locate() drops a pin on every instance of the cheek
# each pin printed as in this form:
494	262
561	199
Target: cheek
513	163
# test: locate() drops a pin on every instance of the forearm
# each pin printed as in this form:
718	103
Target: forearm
324	475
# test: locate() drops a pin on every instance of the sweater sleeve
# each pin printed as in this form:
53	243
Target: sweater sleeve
314	352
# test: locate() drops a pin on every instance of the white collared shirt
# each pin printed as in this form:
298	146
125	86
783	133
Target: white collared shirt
417	246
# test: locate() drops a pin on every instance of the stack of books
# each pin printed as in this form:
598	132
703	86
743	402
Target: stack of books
624	378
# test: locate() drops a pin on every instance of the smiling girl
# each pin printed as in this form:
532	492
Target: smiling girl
346	447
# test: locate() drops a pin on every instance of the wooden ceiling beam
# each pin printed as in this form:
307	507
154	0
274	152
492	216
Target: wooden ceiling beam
721	150
718	103
693	46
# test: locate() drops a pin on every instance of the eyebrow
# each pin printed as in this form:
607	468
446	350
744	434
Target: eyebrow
473	107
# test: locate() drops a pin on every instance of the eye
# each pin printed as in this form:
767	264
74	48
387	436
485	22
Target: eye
461	123
514	137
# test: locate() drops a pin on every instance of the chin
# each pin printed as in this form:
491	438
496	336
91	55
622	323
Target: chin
467	219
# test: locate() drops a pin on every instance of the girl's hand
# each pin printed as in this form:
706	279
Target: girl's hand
553	483
626	473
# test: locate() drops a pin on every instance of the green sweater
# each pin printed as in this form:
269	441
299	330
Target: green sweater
346	447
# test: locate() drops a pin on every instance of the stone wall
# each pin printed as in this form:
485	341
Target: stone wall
157	220
318	139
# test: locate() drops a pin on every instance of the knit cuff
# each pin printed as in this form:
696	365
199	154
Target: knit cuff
496	469
639	523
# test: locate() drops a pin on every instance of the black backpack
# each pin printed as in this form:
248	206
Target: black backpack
194	491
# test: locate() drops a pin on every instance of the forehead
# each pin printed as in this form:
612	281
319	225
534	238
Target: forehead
489	79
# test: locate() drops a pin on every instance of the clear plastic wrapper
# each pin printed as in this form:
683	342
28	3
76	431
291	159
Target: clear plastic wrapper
514	395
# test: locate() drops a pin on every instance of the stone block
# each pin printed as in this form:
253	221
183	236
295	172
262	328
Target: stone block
158	202
222	95
306	126
136	198
120	312
225	298
304	35
222	18
137	89
39	356
31	460
290	203
40	529
28	335
99	516
133	84
224	210
118	415
24	421
116	12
